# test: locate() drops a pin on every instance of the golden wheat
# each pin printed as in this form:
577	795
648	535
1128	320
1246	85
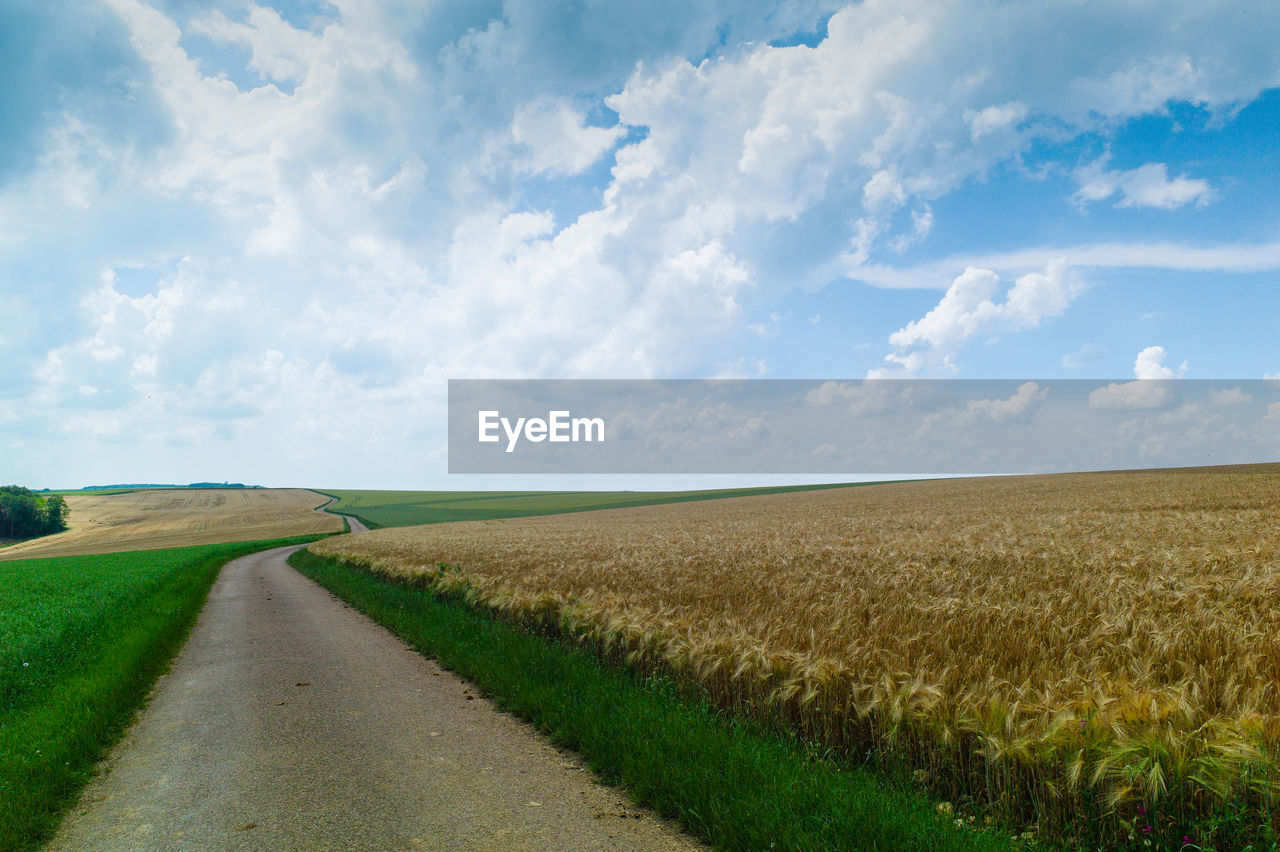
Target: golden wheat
149	519
1040	647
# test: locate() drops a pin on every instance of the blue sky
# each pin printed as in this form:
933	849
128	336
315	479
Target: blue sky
253	242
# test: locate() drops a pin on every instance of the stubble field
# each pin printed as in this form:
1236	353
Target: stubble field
1090	656
179	517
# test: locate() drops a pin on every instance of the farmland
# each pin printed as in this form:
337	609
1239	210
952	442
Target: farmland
727	781
81	640
162	518
1089	655
406	508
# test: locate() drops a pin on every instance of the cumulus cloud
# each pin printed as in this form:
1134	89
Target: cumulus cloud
1150	365
279	52
859	122
557	139
971	307
862	398
453	191
1148	185
1151	390
1015	407
995	119
1019	406
1130	396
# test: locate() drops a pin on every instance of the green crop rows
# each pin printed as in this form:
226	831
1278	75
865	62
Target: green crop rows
406	508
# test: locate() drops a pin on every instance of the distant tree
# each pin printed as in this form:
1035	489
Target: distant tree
56	512
25	514
18	515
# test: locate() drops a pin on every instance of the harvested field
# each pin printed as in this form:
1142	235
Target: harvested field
178	517
1092	654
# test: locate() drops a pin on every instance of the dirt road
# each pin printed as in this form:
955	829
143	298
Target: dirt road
357	525
291	722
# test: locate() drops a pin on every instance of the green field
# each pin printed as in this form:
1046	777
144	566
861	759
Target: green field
407	508
82	639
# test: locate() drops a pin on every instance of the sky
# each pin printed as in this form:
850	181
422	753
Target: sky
245	242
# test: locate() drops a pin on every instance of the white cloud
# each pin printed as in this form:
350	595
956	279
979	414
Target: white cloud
1229	396
1151	390
1150	365
862	398
966	309
1087	355
938	274
395	193
864	122
1016	407
970	308
1148	185
557	138
995	119
921	226
279	51
1130	396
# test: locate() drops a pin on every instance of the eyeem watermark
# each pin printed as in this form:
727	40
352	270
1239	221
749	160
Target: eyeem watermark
559	427
858	426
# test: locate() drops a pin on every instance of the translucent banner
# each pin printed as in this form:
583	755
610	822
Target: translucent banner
858	427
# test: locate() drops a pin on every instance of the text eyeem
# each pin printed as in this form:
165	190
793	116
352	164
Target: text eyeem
558	427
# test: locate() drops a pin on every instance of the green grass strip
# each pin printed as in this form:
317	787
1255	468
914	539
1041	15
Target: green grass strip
52	735
725	780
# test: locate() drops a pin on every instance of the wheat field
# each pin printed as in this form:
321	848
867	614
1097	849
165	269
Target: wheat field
1049	650
177	517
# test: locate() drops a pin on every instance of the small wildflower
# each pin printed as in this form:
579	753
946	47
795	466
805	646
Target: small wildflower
946	808
959	823
1186	839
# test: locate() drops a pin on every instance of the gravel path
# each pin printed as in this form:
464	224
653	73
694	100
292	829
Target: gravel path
291	722
356	524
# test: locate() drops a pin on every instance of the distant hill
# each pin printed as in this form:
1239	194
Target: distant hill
124	486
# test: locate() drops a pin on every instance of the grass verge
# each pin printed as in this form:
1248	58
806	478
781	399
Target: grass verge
82	639
725	780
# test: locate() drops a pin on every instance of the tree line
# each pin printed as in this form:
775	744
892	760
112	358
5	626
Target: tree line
26	514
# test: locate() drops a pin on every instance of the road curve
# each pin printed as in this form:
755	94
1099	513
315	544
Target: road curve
291	722
356	524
